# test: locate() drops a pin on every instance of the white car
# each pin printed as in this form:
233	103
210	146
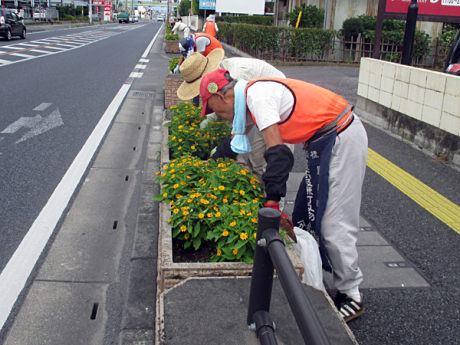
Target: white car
136	19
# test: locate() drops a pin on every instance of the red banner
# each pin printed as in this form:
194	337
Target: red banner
102	3
428	7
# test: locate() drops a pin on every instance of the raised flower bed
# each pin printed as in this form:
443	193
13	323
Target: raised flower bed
203	201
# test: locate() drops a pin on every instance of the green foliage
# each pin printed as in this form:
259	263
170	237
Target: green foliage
446	37
312	16
196	8
186	137
255	20
65	11
172	37
173	63
183	7
67	17
215	201
352	27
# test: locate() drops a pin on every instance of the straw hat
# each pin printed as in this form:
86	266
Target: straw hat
194	68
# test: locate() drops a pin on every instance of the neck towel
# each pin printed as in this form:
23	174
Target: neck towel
240	143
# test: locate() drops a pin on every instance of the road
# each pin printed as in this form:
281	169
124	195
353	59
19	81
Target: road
60	85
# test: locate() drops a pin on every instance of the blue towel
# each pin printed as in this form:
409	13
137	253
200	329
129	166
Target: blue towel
240	143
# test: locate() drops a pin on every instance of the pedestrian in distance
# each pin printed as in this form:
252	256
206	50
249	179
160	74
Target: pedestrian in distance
329	197
179	26
210	26
198	42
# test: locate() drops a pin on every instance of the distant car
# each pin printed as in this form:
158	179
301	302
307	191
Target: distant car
131	19
160	19
11	24
124	17
136	19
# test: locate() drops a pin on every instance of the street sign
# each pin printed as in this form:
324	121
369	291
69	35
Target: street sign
207	4
102	3
80	3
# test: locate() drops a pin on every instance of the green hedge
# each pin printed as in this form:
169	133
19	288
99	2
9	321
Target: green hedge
272	38
255	20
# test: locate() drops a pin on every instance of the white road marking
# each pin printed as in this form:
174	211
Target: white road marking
22	55
42	106
144	60
52	121
136	75
5	62
28	122
140	66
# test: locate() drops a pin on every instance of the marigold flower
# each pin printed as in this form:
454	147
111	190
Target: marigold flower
165	195
183	228
217	214
255	235
210	215
254	220
244	236
235	251
242	212
176	211
173	175
225	201
179	148
178	196
158	173
243	172
169	220
225	233
232	223
201	215
172	170
186	213
219	252
189	201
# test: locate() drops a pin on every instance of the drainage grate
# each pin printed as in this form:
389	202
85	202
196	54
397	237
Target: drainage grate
142	94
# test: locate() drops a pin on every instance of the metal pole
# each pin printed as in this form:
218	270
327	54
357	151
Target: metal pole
409	34
325	16
308	323
265	328
378	30
262	269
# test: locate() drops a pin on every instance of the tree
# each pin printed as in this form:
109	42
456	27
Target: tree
312	16
183	7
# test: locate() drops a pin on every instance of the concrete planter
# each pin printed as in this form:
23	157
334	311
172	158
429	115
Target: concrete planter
172	47
171	273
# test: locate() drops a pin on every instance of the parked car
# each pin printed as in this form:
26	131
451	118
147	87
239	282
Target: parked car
11	24
136	19
452	63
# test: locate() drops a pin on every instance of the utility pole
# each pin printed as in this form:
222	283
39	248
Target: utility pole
409	34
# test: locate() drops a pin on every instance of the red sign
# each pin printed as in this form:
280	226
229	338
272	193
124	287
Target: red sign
426	7
107	8
102	3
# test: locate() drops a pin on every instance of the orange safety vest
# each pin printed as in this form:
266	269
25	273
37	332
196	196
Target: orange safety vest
210	28
213	45
314	107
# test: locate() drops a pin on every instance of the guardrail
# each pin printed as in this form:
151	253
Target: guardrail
270	253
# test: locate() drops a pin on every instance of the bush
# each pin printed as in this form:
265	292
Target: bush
255	20
352	27
173	63
312	16
68	17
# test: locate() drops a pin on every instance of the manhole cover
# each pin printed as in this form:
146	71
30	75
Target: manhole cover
142	94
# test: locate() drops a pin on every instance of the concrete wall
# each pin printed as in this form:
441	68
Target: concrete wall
420	105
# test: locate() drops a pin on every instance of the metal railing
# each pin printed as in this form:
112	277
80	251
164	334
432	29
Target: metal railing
270	253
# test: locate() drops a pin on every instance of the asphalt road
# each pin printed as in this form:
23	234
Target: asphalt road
79	83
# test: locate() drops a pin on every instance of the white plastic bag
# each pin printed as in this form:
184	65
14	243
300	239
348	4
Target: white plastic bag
308	251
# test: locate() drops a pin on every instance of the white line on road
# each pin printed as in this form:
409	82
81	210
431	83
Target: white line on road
147	51
5	62
21	264
140	66
136	75
22	55
42	106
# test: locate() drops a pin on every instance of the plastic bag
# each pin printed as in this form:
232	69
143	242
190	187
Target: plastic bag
308	251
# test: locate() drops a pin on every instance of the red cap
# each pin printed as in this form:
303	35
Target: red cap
210	84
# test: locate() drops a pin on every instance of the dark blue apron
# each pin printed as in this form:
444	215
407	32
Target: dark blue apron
311	199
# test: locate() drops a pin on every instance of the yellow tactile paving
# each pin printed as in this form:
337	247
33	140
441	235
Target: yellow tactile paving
429	199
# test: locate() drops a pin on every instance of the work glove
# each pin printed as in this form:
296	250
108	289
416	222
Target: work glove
224	150
176	70
285	223
205	122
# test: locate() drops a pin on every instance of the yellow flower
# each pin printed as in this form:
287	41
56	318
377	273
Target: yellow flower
221	187
183	228
186	236
183	183
210	215
225	233
169	220
176	211
244	236
243	172
255	235
189	201
217	214
187	176
242	192
201	215
186	213
165	195
192	147
172	170
242	212
173	175
232	223
254	220
225	201
219	252
158	173
235	251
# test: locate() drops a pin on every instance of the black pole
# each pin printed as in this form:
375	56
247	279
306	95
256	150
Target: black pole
409	33
264	328
262	268
308	323
378	30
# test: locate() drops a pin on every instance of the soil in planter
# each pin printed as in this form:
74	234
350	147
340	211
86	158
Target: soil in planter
205	252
